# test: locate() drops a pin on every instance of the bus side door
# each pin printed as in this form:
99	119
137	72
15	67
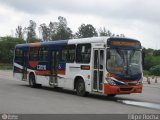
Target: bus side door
98	69
24	65
54	68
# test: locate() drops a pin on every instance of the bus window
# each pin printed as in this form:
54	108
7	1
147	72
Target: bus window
18	55
33	54
43	54
71	53
64	54
68	54
83	53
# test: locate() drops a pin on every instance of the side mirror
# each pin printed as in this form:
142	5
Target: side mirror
108	54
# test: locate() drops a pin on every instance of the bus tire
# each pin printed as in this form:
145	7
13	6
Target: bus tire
111	95
32	81
80	88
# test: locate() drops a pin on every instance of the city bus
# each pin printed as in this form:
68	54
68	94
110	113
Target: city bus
98	65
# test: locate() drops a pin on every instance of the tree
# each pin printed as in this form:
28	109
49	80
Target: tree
19	32
45	31
63	32
155	70
7	45
122	35
148	62
104	32
31	30
156	53
53	26
149	51
59	30
151	58
86	31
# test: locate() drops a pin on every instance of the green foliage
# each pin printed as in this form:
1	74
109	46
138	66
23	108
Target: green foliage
156	53
104	32
6	66
31	30
33	40
149	51
59	30
155	70
7	45
56	30
151	61
85	31
19	32
146	73
45	31
152	58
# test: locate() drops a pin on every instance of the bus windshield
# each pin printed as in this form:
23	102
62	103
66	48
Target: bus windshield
124	62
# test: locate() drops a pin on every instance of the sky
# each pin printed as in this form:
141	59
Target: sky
139	19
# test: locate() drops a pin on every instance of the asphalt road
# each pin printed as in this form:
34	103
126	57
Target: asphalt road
17	97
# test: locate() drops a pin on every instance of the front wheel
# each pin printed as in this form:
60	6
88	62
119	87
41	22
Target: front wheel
80	88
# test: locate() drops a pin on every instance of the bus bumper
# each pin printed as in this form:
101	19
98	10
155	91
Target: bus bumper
110	89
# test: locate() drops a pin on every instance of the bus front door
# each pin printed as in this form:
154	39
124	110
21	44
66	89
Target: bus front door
24	64
54	68
98	69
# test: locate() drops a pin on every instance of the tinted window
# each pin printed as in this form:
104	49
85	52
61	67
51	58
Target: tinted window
71	53
83	53
18	54
33	54
43	54
68	53
64	54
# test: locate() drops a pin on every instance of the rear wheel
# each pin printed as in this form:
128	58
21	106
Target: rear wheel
80	88
32	82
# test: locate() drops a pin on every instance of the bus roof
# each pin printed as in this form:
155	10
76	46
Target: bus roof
73	41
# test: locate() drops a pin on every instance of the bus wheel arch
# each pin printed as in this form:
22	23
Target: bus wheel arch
79	85
32	80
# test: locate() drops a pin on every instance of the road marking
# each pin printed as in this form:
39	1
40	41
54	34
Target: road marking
141	104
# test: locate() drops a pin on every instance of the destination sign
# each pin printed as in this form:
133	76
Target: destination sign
123	42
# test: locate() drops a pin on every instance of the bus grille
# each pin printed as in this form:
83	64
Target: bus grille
125	89
131	84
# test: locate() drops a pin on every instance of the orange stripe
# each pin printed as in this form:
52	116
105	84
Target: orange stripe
33	64
47	72
37	44
43	72
62	72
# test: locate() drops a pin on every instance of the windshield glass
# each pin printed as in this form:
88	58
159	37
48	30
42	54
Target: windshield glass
124	62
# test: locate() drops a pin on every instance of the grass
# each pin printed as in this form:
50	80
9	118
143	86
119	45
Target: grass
146	73
6	66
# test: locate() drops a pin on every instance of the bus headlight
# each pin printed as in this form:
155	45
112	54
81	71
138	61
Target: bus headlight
110	81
